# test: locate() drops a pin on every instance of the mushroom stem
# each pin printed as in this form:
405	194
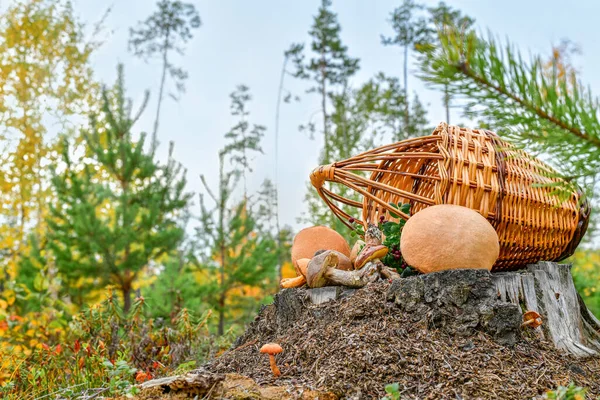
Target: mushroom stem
354	279
274	367
389	273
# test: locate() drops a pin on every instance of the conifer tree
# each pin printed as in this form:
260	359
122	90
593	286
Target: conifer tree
238	260
243	136
162	33
410	30
330	67
547	110
118	208
444	15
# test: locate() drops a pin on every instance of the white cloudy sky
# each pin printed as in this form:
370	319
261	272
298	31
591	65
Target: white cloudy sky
243	42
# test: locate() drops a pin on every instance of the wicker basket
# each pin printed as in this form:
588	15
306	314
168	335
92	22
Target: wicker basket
471	168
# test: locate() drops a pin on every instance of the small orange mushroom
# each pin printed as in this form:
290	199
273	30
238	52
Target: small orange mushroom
532	319
271	349
297	281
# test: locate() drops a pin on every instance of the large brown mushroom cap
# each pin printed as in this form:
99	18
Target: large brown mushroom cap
309	240
445	237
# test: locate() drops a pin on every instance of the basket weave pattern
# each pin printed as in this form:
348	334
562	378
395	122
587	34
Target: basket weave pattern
471	168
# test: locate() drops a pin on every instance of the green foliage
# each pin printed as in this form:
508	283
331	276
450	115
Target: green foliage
330	67
571	392
165	31
103	350
586	276
444	16
236	256
392	232
118	209
242	137
174	288
393	391
410	28
542	109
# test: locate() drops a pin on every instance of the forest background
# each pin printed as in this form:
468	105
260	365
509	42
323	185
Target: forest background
155	156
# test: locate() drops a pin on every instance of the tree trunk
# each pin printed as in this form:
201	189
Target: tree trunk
548	289
406	100
161	90
126	289
324	109
277	225
221	314
447	103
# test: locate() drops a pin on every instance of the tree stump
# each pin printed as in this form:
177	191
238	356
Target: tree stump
548	289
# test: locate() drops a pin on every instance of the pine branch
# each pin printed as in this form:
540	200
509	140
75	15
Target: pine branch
533	103
484	82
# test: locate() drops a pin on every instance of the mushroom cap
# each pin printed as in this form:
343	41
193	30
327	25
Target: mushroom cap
315	275
358	246
309	240
532	315
446	237
301	266
368	253
271	348
288	283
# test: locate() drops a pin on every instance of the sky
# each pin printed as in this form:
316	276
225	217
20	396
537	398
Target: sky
242	42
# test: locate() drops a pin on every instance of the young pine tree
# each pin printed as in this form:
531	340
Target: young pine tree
444	15
166	31
330	66
237	260
118	208
410	30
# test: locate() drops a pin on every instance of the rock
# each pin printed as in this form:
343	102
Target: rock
323	294
459	302
327	293
309	240
446	237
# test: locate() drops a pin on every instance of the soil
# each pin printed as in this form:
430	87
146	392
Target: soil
356	345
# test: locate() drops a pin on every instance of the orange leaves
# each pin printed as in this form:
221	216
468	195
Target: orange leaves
142	376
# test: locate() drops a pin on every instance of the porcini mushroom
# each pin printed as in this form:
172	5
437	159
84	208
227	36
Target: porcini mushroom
532	319
369	253
271	349
323	270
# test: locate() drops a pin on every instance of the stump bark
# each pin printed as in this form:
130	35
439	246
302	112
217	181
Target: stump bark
548	289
